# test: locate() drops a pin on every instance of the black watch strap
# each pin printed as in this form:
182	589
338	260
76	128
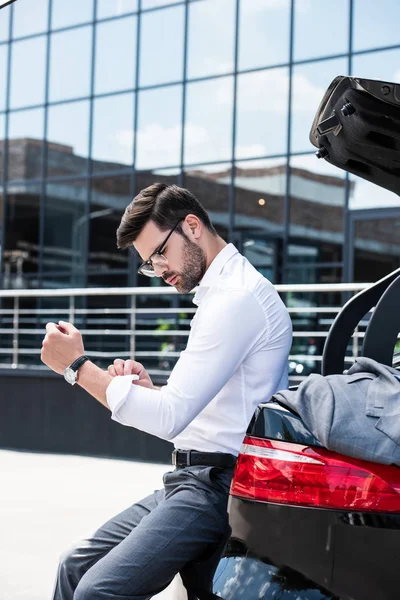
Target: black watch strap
79	362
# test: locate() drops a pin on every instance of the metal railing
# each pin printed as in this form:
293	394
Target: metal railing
152	324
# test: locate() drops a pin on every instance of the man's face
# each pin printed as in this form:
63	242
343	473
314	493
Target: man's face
186	261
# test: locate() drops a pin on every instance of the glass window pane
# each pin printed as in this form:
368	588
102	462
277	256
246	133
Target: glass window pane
28	72
309	85
109	198
145	178
21	242
4	23
161	46
209	119
376	248
210	184
70	64
317	202
71	12
262	113
264	33
332	14
68	137
113	132
3	76
210	46
376	23
116	55
26	130
115	8
2	136
64	247
260	186
152	3
383	65
364	194
159	135
29	17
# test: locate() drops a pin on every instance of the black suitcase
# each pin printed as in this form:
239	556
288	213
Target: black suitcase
357	128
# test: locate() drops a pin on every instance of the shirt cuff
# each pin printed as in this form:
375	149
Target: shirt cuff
117	392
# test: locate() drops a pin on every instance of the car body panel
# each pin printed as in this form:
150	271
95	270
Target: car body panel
305	553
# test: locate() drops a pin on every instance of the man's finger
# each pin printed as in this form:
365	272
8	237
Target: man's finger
68	327
119	366
51	328
111	370
134	367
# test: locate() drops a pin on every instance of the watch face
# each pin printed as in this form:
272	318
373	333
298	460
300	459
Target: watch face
70	375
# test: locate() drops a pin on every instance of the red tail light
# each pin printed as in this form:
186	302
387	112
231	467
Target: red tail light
286	473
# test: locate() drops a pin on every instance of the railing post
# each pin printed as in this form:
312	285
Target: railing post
15	333
71	309
355	343
132	348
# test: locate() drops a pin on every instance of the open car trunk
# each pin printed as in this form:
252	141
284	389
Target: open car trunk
357	128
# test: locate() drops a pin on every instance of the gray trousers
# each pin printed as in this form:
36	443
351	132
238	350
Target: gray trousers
137	553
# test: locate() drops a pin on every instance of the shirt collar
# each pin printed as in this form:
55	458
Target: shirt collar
213	271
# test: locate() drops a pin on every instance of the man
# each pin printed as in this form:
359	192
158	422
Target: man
236	357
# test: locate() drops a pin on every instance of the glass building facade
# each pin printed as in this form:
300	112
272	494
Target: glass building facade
100	98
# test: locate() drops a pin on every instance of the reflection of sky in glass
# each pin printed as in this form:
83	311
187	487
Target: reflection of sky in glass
115	8
4	23
159	130
264	33
70	63
376	23
210	46
26	123
242	578
262	109
262	96
313	22
71	12
309	84
383	65
367	195
3	76
161	46
28	72
116	61
69	124
208	129
152	3
113	129
29	17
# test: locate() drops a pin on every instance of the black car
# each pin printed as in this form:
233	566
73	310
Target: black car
307	523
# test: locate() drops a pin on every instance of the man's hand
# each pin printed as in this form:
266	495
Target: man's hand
61	346
131	367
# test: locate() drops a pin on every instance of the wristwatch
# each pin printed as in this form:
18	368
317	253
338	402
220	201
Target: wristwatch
71	372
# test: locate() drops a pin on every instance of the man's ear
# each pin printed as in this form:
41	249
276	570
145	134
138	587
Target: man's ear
193	226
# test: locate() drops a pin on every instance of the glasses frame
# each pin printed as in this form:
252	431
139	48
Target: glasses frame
158	251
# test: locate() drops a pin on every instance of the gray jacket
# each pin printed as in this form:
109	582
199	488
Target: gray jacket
357	413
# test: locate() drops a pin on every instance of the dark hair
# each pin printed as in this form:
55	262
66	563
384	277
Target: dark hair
164	205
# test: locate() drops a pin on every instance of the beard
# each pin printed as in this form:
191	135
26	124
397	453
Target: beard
194	260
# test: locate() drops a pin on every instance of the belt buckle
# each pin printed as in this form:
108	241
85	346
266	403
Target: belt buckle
173	456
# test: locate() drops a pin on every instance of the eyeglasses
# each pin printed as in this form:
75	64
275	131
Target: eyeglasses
157	258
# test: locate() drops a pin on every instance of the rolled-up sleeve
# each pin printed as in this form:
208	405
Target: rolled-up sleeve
226	332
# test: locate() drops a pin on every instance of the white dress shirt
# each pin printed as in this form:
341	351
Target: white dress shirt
236	357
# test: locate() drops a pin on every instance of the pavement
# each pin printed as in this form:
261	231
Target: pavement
49	501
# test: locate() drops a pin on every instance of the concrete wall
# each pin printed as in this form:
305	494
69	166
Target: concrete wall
41	412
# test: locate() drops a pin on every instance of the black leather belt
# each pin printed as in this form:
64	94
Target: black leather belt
187	458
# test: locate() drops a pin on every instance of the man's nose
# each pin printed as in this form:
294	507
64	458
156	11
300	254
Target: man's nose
159	270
